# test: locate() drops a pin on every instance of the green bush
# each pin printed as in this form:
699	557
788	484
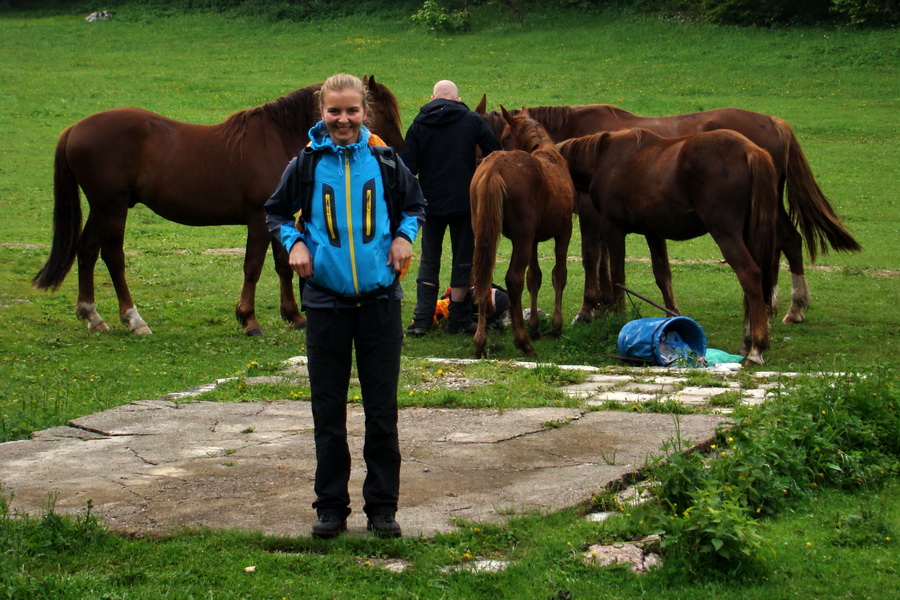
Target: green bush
436	18
868	12
839	432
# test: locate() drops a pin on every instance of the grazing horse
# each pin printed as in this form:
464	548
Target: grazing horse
717	182
190	174
809	208
524	192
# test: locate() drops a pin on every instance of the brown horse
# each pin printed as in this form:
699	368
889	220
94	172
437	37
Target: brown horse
191	174
717	182
809	209
524	192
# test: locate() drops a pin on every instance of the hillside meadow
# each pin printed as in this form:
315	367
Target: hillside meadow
837	87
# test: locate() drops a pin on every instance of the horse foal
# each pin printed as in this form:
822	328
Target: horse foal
524	192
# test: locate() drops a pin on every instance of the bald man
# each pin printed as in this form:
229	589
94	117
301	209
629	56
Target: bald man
440	148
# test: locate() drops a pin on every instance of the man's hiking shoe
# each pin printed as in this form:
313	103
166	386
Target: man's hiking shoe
384	525
329	526
419	328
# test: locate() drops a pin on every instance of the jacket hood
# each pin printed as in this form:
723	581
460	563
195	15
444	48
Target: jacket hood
319	139
441	111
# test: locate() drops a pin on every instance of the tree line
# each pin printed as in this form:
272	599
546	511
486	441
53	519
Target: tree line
454	15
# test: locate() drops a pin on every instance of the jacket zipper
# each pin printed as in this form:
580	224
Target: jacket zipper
348	194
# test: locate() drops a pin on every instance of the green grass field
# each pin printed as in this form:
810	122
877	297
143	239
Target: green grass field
838	88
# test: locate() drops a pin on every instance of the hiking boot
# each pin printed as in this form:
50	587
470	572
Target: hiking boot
418	327
423	314
329	525
384	525
460	318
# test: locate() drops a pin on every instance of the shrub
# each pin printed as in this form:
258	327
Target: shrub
841	431
441	20
868	12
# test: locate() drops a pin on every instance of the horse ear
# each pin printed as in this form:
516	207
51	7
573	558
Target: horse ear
481	109
370	81
524	112
505	114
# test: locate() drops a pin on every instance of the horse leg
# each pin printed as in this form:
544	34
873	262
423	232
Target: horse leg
560	276
112	241
254	256
614	241
756	313
792	246
88	252
662	272
515	284
535	278
588	223
289	310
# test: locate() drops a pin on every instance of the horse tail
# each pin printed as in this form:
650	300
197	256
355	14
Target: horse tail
763	215
808	207
487	193
66	221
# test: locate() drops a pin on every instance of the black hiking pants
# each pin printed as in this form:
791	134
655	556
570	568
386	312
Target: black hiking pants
374	330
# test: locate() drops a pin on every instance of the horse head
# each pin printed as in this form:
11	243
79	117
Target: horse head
522	132
384	113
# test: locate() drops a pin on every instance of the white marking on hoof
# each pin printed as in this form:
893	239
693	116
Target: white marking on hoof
794	316
580	320
88	312
755	357
799	300
133	320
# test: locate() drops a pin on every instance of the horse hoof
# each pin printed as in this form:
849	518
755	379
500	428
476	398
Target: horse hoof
255	332
101	326
143	330
299	323
755	358
581	320
528	351
793	319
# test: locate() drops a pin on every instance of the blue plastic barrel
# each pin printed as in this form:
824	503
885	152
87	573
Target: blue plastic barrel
663	340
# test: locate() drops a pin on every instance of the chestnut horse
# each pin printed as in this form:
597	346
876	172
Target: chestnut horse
524	192
717	182
809	208
190	174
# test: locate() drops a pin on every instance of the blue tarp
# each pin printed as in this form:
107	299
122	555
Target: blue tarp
664	341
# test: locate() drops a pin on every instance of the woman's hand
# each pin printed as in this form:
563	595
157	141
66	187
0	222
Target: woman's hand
301	260
400	254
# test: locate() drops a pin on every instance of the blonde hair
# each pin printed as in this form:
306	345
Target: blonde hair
343	81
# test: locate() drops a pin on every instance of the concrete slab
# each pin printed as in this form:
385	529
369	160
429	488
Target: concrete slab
154	467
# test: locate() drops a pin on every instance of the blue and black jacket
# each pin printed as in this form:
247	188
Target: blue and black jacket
351	220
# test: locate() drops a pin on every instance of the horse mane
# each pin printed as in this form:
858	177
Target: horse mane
531	133
293	114
553	117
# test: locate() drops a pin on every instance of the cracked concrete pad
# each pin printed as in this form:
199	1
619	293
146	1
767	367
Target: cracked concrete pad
154	467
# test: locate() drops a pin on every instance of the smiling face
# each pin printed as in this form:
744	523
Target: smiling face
343	112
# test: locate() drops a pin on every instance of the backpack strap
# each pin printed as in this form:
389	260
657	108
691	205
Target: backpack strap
306	171
387	163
